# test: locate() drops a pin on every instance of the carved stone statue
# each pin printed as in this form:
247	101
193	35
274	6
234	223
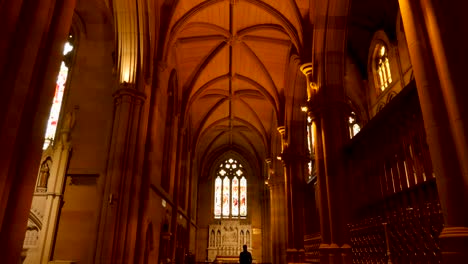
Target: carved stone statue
44	175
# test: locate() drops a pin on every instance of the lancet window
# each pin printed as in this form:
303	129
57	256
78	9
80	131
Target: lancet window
311	147
60	86
382	68
230	190
353	124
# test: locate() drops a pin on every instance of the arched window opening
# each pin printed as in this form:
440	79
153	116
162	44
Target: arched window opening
311	147
382	68
230	190
60	86
353	124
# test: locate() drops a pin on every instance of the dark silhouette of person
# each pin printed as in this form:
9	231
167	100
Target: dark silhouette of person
245	257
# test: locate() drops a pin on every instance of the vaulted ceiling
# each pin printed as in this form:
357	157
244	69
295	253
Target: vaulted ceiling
231	58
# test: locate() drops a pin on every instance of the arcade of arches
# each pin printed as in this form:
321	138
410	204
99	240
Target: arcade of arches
177	131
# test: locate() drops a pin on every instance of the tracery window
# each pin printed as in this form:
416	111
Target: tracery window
382	68
230	190
354	126
59	92
311	168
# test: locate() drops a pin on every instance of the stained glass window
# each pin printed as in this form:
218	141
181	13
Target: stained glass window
384	76
354	127
311	146
217	204
230	191
235	196
243	196
226	183
58	97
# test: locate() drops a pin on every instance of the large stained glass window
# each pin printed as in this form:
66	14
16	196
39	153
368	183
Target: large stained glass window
58	97
230	191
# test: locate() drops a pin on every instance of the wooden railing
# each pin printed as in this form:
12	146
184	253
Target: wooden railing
397	216
368	239
405	235
311	246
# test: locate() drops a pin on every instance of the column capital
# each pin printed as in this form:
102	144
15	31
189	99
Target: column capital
128	90
282	131
307	70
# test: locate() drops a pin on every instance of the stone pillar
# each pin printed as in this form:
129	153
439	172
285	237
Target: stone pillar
277	208
333	131
313	111
294	166
440	83
30	54
330	112
119	217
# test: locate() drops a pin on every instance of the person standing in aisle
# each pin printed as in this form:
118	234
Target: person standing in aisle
245	257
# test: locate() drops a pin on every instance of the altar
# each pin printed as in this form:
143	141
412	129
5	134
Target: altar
226	238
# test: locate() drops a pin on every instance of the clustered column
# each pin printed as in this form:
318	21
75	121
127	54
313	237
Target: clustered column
276	185
294	165
119	219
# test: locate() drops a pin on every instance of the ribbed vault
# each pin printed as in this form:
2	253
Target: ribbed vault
231	58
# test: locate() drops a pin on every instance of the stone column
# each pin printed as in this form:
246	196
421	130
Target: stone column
331	112
30	55
119	217
313	111
277	208
334	134
294	165
440	84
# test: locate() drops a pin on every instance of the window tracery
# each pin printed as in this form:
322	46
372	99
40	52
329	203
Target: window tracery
382	68
230	190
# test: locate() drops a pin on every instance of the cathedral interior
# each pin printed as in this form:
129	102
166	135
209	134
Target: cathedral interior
177	131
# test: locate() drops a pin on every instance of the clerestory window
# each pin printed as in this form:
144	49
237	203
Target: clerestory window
382	68
59	92
230	190
311	167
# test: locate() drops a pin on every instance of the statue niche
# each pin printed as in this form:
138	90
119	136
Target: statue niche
44	174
